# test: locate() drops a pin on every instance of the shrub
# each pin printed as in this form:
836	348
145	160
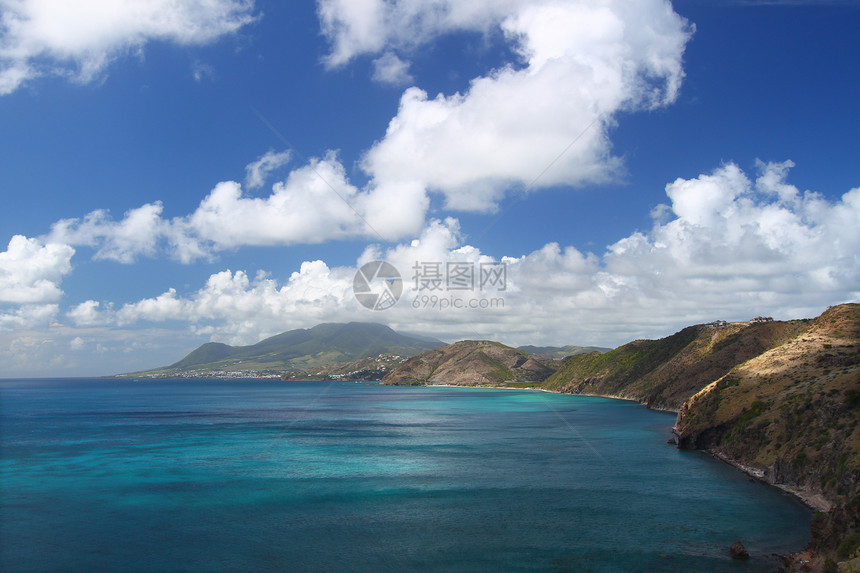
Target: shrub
848	546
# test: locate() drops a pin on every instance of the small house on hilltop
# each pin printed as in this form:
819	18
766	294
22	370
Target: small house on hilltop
717	323
759	319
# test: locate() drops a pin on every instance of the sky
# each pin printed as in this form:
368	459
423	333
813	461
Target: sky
551	172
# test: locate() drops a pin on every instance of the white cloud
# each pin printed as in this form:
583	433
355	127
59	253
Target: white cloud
31	272
257	172
727	247
390	69
136	234
77	343
235	308
542	124
315	203
356	27
88	313
28	316
79	39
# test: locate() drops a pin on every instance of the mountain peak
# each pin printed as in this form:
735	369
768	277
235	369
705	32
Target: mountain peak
301	349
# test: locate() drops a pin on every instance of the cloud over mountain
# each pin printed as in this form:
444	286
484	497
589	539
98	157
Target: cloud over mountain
727	246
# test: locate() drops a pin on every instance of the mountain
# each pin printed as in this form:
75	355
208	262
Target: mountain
471	363
560	352
300	350
791	416
663	373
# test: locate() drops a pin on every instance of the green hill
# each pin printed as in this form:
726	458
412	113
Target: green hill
791	416
298	350
471	363
664	373
560	352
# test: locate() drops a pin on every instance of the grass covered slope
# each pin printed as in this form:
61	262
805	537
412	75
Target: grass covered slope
471	363
664	373
790	409
561	352
792	415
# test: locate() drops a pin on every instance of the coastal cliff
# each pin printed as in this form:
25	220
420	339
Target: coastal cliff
791	417
777	399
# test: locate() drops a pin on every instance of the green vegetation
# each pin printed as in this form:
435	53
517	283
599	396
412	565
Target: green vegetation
303	350
848	546
793	412
472	363
561	352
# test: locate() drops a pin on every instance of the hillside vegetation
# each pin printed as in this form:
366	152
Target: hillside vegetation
323	347
471	363
791	415
561	352
664	373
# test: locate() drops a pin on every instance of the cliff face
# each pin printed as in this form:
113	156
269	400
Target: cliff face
664	373
792	414
471	363
781	399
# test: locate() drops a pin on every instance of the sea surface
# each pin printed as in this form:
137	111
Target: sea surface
239	475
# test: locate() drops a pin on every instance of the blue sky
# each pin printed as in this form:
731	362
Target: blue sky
635	166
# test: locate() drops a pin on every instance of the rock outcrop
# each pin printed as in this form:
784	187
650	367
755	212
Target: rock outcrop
738	551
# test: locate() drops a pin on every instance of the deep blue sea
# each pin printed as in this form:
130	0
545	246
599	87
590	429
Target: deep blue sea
209	475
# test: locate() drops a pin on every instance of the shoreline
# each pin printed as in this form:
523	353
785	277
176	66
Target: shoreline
814	501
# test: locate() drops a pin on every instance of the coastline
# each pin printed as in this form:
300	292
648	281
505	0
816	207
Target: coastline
814	501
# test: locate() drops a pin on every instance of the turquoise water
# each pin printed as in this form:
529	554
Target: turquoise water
268	476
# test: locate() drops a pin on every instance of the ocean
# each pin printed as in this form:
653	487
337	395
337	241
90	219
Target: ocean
252	475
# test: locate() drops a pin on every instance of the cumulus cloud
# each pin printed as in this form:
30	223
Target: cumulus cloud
79	39
579	64
356	27
257	172
234	307
89	313
539	121
726	246
315	203
31	272
28	316
123	241
390	69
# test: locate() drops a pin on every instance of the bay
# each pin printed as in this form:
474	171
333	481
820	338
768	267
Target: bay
239	475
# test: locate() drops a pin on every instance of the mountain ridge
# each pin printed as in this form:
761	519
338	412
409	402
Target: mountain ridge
310	349
561	352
